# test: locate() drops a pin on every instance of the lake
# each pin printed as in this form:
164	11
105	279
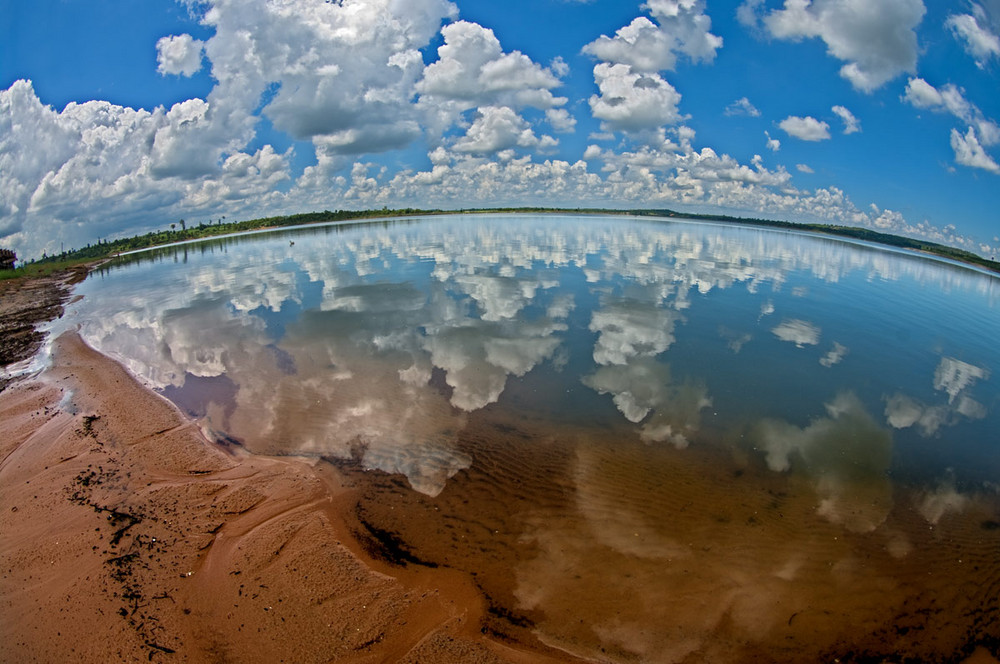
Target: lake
645	439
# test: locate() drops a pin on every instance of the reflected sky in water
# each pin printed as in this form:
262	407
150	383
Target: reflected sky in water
645	440
844	363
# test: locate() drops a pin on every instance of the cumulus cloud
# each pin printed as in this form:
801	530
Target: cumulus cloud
318	72
179	54
681	27
630	101
969	151
641	45
851	123
804	168
633	96
497	128
951	99
806	129
970	147
478	358
472	71
335	76
773	144
560	120
877	41
734	338
62	169
922	94
978	37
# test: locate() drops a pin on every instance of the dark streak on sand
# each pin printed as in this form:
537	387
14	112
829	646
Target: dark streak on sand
26	303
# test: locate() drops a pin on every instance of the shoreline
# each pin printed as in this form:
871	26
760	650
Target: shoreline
25	304
127	535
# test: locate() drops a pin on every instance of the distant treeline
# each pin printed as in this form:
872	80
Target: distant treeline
180	231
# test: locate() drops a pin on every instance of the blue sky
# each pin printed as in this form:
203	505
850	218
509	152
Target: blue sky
117	117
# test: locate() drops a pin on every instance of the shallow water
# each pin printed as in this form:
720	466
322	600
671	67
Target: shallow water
647	440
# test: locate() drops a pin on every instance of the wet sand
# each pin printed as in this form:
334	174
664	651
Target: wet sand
127	536
24	304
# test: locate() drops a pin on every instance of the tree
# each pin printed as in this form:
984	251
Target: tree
7	259
182	225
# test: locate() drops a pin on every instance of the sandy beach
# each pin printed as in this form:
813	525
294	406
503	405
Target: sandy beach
127	536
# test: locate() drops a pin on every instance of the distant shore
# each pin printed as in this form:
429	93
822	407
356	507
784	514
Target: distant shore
106	249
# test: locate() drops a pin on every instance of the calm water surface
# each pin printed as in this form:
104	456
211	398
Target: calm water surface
647	440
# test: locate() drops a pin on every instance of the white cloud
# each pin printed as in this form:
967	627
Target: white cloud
982	131
742	106
748	13
949	98
319	72
472	70
975	33
806	129
969	152
681	27
320	69
62	170
496	128
633	96
687	22
560	120
183	146
877	40
640	45
179	55
773	144
851	123
922	94
631	101
804	168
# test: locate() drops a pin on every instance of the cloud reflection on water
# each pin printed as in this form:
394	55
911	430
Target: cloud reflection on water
847	455
956	379
335	343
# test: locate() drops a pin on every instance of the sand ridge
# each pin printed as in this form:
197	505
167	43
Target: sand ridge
126	536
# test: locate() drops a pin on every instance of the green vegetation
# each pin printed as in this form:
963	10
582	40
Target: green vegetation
108	248
43	268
